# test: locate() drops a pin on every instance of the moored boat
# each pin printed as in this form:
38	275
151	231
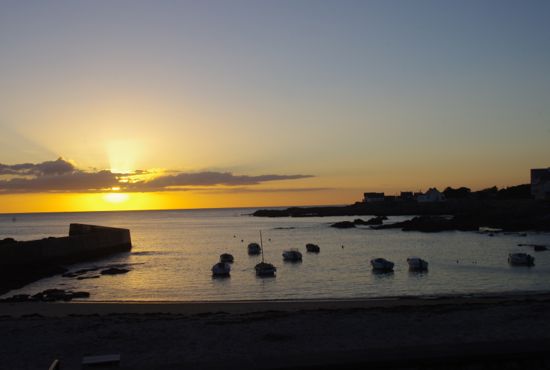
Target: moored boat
292	255
221	269
264	269
254	249
381	265
417	264
313	248
226	257
521	259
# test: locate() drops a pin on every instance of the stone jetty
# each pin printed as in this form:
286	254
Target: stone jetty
22	262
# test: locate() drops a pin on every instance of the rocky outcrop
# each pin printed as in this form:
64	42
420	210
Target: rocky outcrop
114	271
48	295
377	220
343	225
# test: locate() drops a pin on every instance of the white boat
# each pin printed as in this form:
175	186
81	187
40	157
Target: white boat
381	265
292	255
313	248
417	264
221	269
254	249
226	257
264	269
521	259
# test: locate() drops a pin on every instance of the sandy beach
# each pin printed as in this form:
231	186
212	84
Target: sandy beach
280	334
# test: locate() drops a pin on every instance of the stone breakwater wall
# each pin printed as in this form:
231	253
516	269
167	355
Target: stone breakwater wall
22	262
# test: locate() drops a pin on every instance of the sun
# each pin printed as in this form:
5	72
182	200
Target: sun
116	197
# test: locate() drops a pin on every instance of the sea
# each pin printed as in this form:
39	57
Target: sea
174	250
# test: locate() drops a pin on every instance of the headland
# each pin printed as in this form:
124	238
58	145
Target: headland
461	214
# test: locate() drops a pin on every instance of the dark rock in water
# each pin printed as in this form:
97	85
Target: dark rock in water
80	295
114	271
18	298
80	272
343	225
48	295
433	224
540	248
378	220
87	277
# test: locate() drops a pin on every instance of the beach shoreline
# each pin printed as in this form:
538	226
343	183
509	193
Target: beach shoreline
279	334
90	307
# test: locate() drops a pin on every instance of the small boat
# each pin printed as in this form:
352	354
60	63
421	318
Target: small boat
521	259
254	249
417	264
313	248
264	269
381	265
292	255
226	257
221	269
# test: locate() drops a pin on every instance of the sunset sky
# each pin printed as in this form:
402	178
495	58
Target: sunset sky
108	105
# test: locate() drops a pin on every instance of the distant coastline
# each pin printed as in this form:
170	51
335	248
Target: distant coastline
465	214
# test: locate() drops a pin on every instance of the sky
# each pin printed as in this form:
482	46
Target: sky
112	105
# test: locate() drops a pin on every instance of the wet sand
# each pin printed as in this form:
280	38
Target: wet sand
273	334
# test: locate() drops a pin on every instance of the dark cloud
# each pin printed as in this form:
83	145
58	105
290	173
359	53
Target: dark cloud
77	181
211	178
62	176
57	167
261	190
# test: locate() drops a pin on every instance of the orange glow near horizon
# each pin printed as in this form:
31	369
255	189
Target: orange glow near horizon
92	202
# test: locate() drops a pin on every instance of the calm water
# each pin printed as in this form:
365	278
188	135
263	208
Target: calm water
175	250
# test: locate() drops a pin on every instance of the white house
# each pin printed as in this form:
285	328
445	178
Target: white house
432	195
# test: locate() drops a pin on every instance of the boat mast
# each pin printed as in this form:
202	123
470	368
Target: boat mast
261	246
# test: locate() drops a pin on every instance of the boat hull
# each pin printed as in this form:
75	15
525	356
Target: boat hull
221	269
417	264
521	259
381	265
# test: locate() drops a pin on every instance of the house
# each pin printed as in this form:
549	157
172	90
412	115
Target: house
540	183
432	195
373	197
406	196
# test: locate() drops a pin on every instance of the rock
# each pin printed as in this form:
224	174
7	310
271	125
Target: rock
7	241
114	271
87	277
17	298
378	220
80	295
343	225
48	295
